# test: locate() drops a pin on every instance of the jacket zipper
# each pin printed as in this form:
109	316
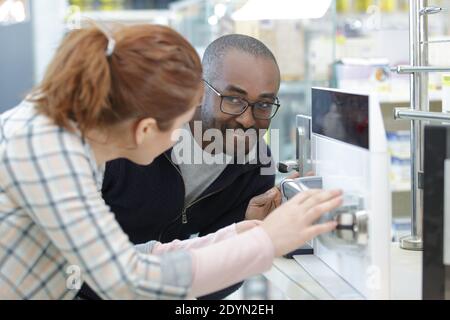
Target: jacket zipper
184	217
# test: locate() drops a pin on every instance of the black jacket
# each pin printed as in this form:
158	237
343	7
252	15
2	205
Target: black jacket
148	202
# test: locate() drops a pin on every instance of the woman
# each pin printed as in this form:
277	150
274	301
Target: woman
105	98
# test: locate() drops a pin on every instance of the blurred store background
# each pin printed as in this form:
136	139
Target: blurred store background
333	43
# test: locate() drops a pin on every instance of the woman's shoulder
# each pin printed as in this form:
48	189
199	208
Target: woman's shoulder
22	118
25	128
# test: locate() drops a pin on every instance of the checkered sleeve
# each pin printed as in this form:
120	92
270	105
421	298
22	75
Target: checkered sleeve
51	173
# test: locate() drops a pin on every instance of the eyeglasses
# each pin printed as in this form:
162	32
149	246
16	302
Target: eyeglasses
234	105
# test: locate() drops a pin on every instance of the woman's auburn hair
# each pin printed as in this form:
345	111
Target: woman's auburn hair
152	72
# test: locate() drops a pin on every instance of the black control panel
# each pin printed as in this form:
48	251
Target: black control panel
341	116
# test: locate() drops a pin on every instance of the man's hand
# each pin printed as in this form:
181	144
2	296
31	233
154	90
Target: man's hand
261	206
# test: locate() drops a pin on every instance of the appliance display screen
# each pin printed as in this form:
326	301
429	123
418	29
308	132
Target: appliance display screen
341	116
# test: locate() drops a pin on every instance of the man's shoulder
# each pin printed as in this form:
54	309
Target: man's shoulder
122	168
125	163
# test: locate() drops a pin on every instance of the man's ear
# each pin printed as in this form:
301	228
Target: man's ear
145	128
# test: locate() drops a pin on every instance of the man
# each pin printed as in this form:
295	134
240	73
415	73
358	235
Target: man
170	199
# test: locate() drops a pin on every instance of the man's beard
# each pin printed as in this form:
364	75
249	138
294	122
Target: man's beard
239	140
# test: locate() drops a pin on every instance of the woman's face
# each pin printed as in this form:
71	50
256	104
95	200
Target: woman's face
149	141
152	142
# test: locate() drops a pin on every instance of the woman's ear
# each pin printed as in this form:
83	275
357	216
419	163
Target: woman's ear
145	128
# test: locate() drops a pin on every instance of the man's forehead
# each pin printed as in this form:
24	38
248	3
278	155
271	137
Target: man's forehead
269	91
234	57
243	72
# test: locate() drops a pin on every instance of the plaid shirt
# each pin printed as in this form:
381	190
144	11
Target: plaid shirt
55	229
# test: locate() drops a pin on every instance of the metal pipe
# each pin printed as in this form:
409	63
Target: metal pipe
424	97
414	242
408	114
419	69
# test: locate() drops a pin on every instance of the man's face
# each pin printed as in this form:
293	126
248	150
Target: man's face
254	79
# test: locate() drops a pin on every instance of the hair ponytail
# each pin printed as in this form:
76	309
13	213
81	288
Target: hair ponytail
152	72
77	83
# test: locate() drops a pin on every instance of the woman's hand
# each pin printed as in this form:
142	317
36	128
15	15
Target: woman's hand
292	224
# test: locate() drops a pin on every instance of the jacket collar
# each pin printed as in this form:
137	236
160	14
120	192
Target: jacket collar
229	175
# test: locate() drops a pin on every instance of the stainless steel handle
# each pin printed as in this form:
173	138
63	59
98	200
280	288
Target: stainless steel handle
435	41
303	141
408	114
290	187
430	10
288	166
402	69
353	227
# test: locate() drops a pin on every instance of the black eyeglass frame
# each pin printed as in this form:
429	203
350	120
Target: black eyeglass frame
221	96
